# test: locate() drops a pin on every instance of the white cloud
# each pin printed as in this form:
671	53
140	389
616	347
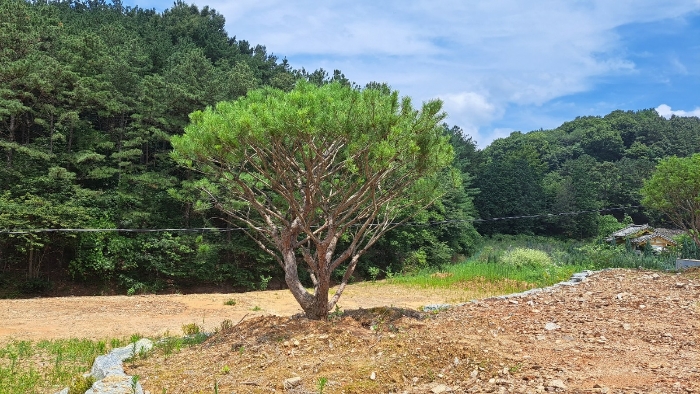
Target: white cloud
474	113
481	57
678	66
666	111
471	104
324	28
471	111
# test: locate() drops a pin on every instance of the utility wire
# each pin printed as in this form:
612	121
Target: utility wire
217	229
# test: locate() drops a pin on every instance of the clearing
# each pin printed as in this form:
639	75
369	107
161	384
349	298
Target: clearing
620	331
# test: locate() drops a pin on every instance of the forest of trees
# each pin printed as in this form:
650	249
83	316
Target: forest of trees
91	92
588	164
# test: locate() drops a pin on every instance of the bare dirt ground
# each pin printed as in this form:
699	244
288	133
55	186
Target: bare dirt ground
103	317
621	331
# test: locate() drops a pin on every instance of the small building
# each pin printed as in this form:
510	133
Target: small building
629	232
657	241
639	235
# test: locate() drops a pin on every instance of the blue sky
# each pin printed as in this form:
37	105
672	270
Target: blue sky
498	65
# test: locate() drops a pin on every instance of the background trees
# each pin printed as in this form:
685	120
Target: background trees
317	174
90	94
564	176
674	189
510	185
92	91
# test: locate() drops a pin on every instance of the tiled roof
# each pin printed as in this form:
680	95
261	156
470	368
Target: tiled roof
670	232
629	230
647	237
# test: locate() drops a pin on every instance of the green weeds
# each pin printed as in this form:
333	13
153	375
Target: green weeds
81	384
264	282
321	384
193	336
516	263
191	329
49	366
45	366
508	278
373	273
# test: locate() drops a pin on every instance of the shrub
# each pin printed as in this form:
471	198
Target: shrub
522	257
416	261
81	385
191	329
35	286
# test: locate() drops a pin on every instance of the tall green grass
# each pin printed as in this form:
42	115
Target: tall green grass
46	366
472	270
590	255
497	261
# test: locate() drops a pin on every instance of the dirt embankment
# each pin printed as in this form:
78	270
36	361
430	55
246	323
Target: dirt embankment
620	331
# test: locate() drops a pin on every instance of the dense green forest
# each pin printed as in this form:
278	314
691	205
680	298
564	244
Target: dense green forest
588	164
91	92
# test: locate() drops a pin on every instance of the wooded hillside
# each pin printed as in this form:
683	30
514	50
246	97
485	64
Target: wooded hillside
91	92
587	164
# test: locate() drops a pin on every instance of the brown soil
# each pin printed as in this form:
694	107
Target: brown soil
101	317
620	331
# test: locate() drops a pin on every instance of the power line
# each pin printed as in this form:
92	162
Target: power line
119	230
218	229
559	214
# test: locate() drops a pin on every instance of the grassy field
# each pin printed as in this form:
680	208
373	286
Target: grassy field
510	264
498	279
48	366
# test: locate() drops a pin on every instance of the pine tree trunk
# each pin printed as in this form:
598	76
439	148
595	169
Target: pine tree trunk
315	306
318	310
11	137
291	277
30	263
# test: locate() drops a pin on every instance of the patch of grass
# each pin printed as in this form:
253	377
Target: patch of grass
142	353
193	336
191	329
321	384
373	273
525	257
510	264
170	345
490	277
264	282
48	366
81	384
134	383
225	326
230	302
